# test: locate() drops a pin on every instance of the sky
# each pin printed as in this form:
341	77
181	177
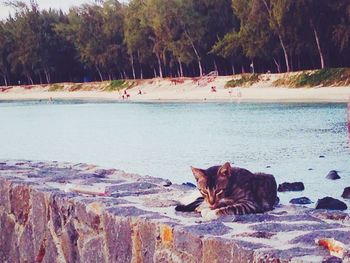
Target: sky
45	4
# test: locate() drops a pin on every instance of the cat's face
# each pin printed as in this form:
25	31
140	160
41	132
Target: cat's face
212	183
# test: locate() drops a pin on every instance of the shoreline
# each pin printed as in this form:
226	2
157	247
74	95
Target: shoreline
165	91
192	101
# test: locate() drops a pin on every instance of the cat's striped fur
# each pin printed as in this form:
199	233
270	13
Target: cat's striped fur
230	190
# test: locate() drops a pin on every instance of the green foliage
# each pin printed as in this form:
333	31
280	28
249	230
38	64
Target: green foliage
111	39
322	77
244	80
56	87
117	85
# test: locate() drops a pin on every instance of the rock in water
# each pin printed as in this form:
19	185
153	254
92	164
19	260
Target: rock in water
331	204
300	201
189	184
333	175
296	186
346	193
167	183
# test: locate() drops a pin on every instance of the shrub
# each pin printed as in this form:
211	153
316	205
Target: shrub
245	80
321	77
116	85
56	87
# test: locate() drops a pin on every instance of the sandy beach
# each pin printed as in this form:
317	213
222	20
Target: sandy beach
165	90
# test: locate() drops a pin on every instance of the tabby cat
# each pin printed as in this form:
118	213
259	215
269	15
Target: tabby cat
230	190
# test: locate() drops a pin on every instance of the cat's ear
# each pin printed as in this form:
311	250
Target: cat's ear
225	170
198	173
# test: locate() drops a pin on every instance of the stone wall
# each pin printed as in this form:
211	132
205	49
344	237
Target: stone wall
132	219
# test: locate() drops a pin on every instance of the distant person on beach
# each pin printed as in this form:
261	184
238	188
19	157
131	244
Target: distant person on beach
252	67
213	89
140	92
126	95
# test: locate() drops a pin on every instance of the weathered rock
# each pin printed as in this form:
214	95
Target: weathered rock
118	239
93	250
333	175
300	201
136	222
331	204
334	215
346	193
296	186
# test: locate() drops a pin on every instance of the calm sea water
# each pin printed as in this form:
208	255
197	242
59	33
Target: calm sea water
164	140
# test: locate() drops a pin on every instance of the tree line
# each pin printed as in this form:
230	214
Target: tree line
171	38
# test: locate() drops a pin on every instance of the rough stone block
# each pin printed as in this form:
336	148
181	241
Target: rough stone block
93	251
20	203
144	239
118	238
189	244
224	251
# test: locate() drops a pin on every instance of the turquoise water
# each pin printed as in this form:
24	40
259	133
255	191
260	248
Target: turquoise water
164	140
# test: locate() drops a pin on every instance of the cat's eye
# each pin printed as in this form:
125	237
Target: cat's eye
203	192
220	192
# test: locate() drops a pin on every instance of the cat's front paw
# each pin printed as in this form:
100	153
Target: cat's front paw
209	214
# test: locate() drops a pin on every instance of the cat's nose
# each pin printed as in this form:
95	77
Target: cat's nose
212	205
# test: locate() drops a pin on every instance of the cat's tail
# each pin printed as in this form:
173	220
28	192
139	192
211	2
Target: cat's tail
190	207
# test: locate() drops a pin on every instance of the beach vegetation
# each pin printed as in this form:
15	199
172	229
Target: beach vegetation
244	80
56	87
322	77
116	85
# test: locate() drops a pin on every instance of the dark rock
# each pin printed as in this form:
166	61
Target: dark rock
296	186
333	175
300	201
189	184
167	183
332	260
100	173
330	203
346	193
